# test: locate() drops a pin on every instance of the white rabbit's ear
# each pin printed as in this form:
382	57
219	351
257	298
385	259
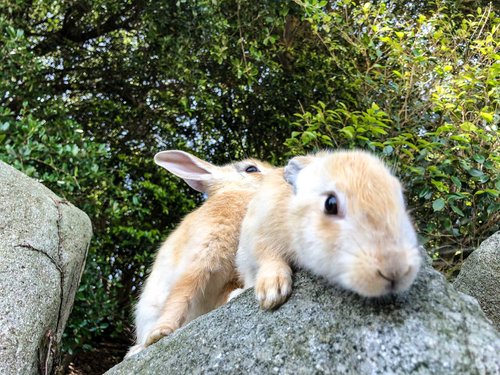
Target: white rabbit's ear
195	172
293	168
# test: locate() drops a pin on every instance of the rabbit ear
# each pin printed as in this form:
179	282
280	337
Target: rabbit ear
293	168
195	172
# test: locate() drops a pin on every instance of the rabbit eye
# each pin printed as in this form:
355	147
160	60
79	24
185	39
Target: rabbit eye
251	169
331	205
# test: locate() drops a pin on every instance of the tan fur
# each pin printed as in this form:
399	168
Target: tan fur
369	247
194	271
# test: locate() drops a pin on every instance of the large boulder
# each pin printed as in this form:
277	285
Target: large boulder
43	243
432	329
480	277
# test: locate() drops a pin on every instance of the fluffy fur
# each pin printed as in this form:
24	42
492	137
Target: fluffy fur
369	247
194	270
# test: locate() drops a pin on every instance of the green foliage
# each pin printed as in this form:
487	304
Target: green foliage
41	136
59	155
423	92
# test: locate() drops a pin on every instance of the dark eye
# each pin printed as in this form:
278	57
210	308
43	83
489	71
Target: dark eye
251	169
331	206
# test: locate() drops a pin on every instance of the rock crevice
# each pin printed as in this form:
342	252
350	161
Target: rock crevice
43	244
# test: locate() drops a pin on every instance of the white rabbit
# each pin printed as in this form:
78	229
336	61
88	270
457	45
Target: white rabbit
194	270
338	214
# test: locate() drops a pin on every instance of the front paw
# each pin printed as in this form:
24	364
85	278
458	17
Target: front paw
159	331
273	288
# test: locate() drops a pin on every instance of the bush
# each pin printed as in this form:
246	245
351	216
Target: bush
40	137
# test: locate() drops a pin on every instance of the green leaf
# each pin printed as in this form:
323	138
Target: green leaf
348	131
397	73
456	182
457	210
438	204
493	192
439	185
468	127
307	137
475	172
479	158
487	116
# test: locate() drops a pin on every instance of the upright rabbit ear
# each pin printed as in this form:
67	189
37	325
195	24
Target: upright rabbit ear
293	168
195	172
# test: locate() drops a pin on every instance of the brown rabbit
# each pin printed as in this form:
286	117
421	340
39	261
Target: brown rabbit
194	270
339	214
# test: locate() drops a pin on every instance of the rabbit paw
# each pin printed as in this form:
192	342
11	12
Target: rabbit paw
159	331
273	288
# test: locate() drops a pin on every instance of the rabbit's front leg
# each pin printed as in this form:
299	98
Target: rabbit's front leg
273	283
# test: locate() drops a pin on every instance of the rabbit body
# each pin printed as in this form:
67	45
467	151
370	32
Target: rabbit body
339	214
194	270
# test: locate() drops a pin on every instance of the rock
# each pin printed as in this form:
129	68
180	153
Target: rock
43	243
432	329
480	277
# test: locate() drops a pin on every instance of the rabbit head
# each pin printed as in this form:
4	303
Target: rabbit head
350	222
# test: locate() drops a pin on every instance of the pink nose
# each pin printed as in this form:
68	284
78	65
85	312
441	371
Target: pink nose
390	278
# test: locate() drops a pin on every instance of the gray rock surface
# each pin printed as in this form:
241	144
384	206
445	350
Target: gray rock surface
480	277
43	244
432	329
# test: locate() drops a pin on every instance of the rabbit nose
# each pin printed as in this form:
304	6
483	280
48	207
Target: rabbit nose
390	278
394	277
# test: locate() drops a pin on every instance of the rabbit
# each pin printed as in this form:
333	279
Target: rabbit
340	215
194	270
